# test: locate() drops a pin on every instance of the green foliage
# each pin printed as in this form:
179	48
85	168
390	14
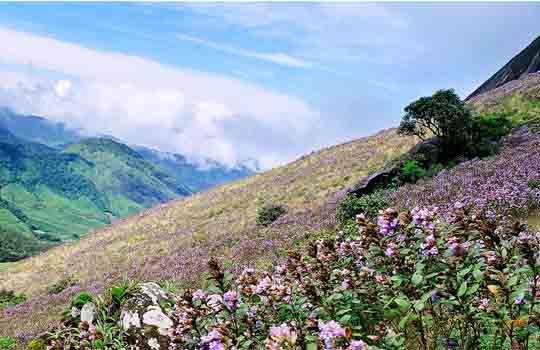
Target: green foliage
443	115
15	246
10	298
7	343
37	344
48	196
352	205
521	108
412	171
60	286
486	130
535	184
81	299
269	213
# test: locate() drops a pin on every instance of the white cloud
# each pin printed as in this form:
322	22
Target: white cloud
145	102
275	57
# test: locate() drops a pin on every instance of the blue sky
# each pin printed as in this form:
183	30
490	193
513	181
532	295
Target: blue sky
264	81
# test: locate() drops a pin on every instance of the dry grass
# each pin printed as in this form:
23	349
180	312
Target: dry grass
173	241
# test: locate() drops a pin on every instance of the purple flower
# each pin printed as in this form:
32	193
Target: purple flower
329	331
434	297
358	345
519	300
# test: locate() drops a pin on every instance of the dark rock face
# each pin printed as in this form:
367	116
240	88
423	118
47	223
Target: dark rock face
428	152
526	62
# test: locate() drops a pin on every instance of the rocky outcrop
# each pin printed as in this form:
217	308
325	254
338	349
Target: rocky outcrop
428	152
146	319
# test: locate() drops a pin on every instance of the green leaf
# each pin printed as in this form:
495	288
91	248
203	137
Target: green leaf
345	319
398	280
478	275
462	289
311	346
419	305
417	278
403	303
512	281
473	289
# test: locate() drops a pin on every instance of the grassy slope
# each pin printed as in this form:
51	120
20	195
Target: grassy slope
174	240
521	98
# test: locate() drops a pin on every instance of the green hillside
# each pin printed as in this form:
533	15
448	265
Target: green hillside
128	182
196	178
48	196
37	129
41	199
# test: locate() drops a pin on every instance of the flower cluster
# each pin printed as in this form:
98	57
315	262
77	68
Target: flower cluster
410	280
502	185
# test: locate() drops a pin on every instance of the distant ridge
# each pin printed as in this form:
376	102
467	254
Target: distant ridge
525	62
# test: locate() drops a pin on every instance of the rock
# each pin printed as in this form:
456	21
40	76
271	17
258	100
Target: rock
145	317
88	312
427	151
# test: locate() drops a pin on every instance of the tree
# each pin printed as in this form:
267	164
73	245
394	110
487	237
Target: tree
443	115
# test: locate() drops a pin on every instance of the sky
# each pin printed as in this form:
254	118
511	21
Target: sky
238	82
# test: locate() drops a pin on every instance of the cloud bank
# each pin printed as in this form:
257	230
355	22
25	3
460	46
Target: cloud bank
144	102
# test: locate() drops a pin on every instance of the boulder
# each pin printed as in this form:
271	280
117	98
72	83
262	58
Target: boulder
427	152
145	317
88	312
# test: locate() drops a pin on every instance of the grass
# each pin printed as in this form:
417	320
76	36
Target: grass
173	241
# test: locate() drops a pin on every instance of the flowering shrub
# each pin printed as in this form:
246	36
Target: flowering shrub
408	281
500	185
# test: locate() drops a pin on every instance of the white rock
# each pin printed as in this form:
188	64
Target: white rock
88	312
156	317
130	319
153	290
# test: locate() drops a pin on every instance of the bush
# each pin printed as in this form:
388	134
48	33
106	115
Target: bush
9	298
269	213
7	343
37	344
16	246
443	115
486	130
534	184
412	171
352	205
81	299
61	285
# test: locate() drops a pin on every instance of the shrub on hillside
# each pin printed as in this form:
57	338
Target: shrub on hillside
7	343
498	185
405	281
443	115
352	205
10	298
412	171
16	246
61	285
486	131
269	213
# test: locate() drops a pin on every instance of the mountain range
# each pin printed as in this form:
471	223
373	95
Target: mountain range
56	183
